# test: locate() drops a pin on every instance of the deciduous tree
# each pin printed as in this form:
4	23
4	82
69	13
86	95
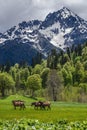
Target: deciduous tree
34	83
6	82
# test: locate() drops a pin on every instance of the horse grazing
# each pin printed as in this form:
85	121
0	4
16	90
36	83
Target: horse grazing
46	105
18	103
41	105
36	105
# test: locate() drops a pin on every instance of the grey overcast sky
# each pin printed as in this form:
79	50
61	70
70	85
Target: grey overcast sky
14	11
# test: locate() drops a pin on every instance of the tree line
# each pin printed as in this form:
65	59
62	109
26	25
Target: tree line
62	76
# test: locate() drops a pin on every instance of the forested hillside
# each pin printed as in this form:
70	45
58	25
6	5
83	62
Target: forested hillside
62	77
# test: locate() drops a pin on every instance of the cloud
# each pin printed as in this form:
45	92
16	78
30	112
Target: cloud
14	11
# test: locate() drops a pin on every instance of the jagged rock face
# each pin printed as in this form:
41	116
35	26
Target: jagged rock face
59	30
64	28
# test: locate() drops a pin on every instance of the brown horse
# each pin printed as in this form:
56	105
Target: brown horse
41	105
36	105
18	103
47	105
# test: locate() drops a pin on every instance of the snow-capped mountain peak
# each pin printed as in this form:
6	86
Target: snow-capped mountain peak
65	13
59	30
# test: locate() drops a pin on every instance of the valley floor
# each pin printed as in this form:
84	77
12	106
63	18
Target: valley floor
59	110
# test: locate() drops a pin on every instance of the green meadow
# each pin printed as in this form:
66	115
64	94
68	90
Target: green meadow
59	110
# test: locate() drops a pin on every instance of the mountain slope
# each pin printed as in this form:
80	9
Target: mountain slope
64	28
59	30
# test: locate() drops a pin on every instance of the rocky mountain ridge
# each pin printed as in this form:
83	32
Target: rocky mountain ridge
59	30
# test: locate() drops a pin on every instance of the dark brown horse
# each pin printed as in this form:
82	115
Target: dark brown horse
47	105
41	105
18	103
36	105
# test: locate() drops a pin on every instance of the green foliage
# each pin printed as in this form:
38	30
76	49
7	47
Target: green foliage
30	124
37	69
24	73
84	54
19	75
6	82
70	67
52	60
67	77
79	72
34	83
37	59
83	86
44	76
59	110
85	65
67	72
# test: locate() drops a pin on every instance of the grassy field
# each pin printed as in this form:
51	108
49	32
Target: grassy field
59	110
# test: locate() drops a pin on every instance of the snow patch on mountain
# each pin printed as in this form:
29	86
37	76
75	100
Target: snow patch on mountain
2	40
59	30
58	40
65	12
56	34
49	32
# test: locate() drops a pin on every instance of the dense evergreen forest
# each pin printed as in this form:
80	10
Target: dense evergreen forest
61	77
